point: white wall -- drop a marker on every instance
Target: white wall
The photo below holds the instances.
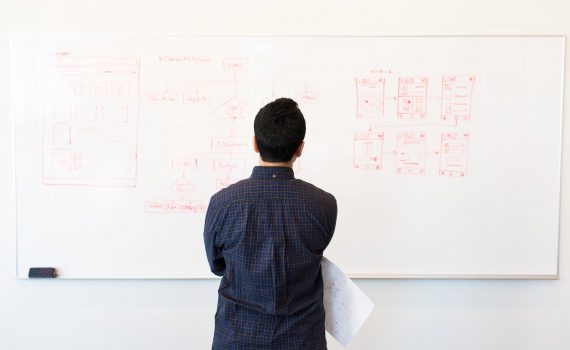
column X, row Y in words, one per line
column 410, row 314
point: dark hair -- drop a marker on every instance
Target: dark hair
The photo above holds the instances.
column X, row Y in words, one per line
column 279, row 130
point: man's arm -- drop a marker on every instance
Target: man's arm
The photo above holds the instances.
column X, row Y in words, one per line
column 331, row 222
column 215, row 255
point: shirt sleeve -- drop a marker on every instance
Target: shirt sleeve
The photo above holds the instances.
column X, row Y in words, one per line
column 331, row 220
column 214, row 254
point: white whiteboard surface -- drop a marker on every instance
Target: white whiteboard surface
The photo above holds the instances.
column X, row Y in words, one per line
column 443, row 152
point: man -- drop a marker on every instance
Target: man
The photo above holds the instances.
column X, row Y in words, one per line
column 266, row 235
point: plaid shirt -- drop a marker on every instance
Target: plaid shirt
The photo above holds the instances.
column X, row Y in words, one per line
column 266, row 235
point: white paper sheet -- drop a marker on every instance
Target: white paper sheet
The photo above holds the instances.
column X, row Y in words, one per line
column 346, row 305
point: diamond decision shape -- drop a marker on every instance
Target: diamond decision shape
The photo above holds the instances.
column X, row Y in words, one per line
column 233, row 111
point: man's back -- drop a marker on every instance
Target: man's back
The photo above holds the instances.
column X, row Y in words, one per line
column 266, row 235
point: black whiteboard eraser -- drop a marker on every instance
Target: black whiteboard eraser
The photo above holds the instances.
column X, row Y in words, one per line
column 42, row 272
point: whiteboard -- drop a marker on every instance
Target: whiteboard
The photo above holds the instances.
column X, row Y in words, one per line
column 443, row 152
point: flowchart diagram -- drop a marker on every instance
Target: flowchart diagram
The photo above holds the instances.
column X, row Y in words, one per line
column 226, row 158
column 92, row 117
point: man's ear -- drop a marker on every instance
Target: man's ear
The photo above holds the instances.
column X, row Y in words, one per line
column 254, row 142
column 299, row 150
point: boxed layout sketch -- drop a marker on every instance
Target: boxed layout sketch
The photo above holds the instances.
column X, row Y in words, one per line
column 91, row 108
column 408, row 137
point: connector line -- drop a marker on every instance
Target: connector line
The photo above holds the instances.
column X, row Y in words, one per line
column 375, row 127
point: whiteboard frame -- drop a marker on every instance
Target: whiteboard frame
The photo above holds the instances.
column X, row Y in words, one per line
column 556, row 276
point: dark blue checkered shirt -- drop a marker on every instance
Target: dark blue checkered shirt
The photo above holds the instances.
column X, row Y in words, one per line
column 266, row 235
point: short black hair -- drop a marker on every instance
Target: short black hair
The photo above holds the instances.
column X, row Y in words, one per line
column 279, row 129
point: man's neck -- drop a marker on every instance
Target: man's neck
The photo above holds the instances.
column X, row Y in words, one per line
column 288, row 164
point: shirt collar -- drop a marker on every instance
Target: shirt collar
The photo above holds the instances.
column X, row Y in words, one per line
column 272, row 172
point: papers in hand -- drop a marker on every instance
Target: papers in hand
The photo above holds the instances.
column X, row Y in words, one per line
column 346, row 306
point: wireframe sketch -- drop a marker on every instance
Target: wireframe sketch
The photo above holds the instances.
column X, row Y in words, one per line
column 412, row 97
column 453, row 157
column 456, row 97
column 411, row 152
column 370, row 97
column 368, row 150
column 91, row 109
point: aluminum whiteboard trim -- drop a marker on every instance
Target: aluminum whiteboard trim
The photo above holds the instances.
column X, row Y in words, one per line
column 13, row 36
column 14, row 171
column 352, row 276
column 561, row 168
